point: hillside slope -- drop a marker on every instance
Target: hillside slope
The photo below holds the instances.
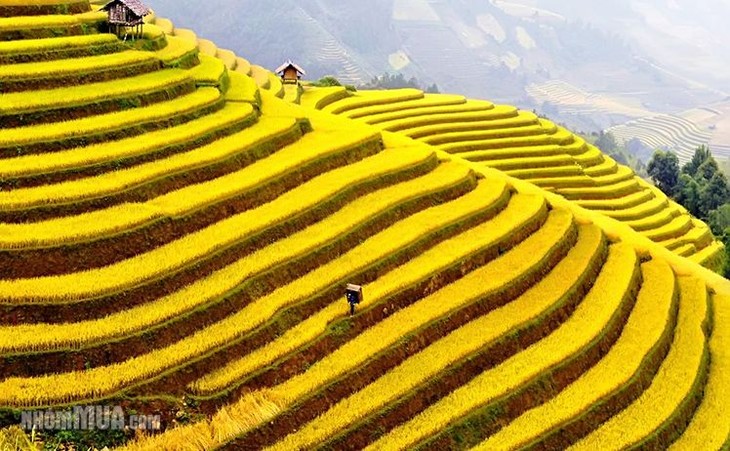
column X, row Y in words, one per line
column 176, row 239
column 532, row 149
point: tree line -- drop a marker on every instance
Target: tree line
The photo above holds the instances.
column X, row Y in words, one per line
column 385, row 81
column 699, row 186
column 397, row 81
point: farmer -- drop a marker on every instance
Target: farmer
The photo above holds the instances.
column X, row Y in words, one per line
column 353, row 294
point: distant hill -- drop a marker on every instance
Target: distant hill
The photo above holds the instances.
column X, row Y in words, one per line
column 485, row 49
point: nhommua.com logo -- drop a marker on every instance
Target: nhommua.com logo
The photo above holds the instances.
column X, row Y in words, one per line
column 87, row 418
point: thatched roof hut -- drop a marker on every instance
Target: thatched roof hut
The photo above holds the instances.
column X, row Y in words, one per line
column 126, row 12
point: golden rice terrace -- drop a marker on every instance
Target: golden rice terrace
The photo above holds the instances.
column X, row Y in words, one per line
column 177, row 228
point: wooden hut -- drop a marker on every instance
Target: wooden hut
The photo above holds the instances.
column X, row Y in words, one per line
column 126, row 14
column 290, row 72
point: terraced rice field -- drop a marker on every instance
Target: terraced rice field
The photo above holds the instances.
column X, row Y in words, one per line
column 573, row 100
column 525, row 147
column 665, row 132
column 176, row 239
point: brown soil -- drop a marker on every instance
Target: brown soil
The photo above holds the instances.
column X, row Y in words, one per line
column 112, row 134
column 319, row 402
column 42, row 33
column 99, row 307
column 474, row 428
column 164, row 151
column 673, row 428
column 62, row 53
column 290, row 317
column 111, row 73
column 101, row 107
column 183, row 326
column 373, row 427
column 116, row 247
column 570, row 433
column 70, row 7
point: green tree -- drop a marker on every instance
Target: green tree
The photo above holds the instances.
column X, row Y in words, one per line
column 706, row 171
column 726, row 264
column 327, row 81
column 701, row 155
column 397, row 81
column 392, row 81
column 664, row 171
column 714, row 194
column 719, row 221
column 687, row 193
column 433, row 89
column 702, row 188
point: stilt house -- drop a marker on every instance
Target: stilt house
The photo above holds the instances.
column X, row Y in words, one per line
column 126, row 14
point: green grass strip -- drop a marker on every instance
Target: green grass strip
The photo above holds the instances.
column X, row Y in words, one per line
column 427, row 101
column 649, row 324
column 426, row 364
column 98, row 154
column 39, row 100
column 121, row 120
column 72, row 66
column 673, row 384
column 362, row 99
column 51, row 44
column 472, row 110
column 39, row 337
column 185, row 251
column 566, row 343
column 102, row 381
column 709, row 428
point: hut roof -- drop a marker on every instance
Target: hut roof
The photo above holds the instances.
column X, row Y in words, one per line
column 289, row 64
column 136, row 6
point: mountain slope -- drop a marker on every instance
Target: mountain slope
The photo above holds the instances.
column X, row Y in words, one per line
column 532, row 149
column 186, row 254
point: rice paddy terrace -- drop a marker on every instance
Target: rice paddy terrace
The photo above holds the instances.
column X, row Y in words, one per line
column 666, row 131
column 532, row 149
column 175, row 237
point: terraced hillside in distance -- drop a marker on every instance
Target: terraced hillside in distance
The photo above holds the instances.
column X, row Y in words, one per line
column 175, row 238
column 665, row 131
column 572, row 100
column 532, row 149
